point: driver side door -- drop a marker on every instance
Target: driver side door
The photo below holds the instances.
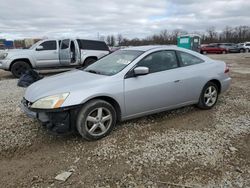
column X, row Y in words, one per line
column 46, row 54
column 156, row 90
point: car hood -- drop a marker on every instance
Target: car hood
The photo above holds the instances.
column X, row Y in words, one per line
column 66, row 82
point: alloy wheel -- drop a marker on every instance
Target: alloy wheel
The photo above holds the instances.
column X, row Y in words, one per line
column 210, row 96
column 98, row 121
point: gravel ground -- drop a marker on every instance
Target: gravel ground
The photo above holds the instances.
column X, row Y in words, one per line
column 186, row 147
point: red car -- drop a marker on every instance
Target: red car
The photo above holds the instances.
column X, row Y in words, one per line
column 213, row 48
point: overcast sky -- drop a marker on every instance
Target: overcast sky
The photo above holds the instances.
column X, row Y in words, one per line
column 131, row 18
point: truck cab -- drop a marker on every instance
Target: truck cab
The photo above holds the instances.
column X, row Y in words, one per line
column 45, row 53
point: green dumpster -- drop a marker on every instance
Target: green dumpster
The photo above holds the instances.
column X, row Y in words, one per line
column 190, row 41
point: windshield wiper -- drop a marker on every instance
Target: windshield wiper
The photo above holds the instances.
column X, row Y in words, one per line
column 93, row 71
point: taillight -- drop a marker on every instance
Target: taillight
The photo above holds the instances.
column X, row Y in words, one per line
column 226, row 69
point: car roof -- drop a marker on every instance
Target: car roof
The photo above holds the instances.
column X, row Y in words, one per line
column 166, row 47
column 151, row 47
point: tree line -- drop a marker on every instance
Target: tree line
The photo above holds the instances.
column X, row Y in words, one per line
column 211, row 35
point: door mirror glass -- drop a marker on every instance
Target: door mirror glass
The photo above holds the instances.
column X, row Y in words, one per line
column 141, row 71
column 39, row 48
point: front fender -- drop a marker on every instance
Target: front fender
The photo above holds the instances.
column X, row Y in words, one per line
column 115, row 91
column 21, row 57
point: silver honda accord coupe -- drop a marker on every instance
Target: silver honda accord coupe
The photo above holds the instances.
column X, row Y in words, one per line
column 126, row 84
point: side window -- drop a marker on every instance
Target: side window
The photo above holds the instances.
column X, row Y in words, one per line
column 92, row 45
column 65, row 44
column 247, row 44
column 159, row 61
column 49, row 45
column 188, row 59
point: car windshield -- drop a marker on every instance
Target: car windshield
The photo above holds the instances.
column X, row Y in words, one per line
column 113, row 63
column 33, row 46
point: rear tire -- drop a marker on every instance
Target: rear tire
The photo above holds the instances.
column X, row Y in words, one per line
column 242, row 50
column 89, row 61
column 19, row 67
column 96, row 119
column 224, row 52
column 209, row 96
column 247, row 50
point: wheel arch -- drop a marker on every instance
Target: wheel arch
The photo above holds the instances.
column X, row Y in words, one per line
column 90, row 57
column 20, row 59
column 110, row 100
column 217, row 83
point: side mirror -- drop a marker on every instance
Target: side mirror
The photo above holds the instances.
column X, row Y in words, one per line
column 39, row 48
column 138, row 71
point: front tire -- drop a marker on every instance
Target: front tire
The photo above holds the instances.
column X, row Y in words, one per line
column 247, row 50
column 96, row 119
column 209, row 96
column 19, row 67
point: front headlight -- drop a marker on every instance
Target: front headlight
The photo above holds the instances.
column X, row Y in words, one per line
column 50, row 102
column 3, row 55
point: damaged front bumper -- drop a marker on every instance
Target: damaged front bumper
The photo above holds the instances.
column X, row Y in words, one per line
column 58, row 121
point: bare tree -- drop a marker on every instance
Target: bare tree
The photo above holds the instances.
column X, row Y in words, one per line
column 212, row 34
column 119, row 39
column 241, row 33
column 112, row 40
column 108, row 40
column 175, row 33
column 229, row 34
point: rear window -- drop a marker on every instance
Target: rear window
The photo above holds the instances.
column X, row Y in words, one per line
column 92, row 45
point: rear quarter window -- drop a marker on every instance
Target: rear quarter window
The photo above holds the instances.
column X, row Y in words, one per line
column 187, row 59
column 92, row 45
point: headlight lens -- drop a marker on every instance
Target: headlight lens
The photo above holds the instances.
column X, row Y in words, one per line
column 50, row 102
column 3, row 55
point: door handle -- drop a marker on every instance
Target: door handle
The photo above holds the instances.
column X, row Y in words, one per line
column 176, row 81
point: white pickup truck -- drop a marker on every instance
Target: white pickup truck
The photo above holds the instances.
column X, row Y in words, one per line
column 47, row 54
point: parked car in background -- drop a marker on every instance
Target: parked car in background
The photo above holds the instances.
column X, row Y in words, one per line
column 231, row 47
column 51, row 53
column 213, row 48
column 241, row 47
column 244, row 46
column 126, row 84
